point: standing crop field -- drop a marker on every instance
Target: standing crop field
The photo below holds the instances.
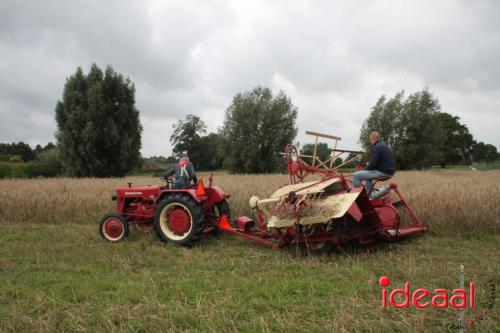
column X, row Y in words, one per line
column 57, row 274
column 451, row 203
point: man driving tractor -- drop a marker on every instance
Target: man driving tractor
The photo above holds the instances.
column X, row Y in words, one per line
column 381, row 164
column 184, row 172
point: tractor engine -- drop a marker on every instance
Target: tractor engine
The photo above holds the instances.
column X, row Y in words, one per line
column 137, row 204
column 140, row 209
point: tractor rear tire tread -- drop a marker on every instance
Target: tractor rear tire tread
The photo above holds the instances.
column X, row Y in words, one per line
column 223, row 208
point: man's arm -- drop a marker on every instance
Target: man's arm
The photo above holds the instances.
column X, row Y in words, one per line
column 169, row 173
column 193, row 174
column 373, row 159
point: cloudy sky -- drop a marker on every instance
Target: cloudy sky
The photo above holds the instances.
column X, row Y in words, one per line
column 333, row 58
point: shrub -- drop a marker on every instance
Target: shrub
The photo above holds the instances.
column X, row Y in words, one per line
column 4, row 170
column 16, row 159
column 19, row 170
column 50, row 164
column 495, row 165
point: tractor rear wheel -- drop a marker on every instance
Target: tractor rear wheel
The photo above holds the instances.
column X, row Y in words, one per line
column 113, row 227
column 179, row 219
column 221, row 208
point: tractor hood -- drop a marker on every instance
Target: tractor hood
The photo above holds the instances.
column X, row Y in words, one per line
column 148, row 192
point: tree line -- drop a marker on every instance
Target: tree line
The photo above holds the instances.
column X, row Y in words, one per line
column 19, row 160
column 99, row 132
column 22, row 152
column 257, row 126
column 421, row 135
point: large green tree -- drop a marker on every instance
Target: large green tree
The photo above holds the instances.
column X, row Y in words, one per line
column 99, row 132
column 322, row 151
column 206, row 152
column 212, row 151
column 186, row 138
column 484, row 152
column 257, row 127
column 456, row 145
column 408, row 126
column 186, row 135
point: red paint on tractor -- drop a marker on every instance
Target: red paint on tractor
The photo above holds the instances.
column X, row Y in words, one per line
column 245, row 223
column 145, row 192
column 113, row 228
column 179, row 220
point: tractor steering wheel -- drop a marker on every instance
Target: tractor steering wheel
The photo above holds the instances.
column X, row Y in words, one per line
column 169, row 181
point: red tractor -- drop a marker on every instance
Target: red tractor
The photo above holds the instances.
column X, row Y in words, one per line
column 179, row 216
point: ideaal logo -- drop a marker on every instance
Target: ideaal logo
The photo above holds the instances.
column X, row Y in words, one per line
column 423, row 298
column 440, row 299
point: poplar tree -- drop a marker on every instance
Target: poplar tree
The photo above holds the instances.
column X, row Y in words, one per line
column 99, row 131
column 257, row 127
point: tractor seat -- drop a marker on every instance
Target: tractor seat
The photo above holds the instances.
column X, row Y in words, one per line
column 382, row 179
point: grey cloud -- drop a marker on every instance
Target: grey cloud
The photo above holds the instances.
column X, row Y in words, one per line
column 333, row 58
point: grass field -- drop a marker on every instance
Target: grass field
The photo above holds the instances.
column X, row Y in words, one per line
column 57, row 274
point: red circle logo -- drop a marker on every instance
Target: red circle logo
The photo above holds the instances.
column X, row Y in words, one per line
column 384, row 281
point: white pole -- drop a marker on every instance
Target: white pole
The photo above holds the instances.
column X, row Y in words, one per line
column 462, row 312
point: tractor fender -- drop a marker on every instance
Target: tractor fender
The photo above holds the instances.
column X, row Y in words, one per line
column 190, row 192
column 216, row 194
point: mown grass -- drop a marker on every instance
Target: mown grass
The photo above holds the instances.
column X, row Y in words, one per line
column 57, row 274
column 65, row 278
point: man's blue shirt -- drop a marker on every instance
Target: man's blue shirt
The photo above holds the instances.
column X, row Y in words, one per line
column 382, row 159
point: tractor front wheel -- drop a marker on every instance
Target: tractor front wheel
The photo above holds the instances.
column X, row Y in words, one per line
column 113, row 227
column 179, row 219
